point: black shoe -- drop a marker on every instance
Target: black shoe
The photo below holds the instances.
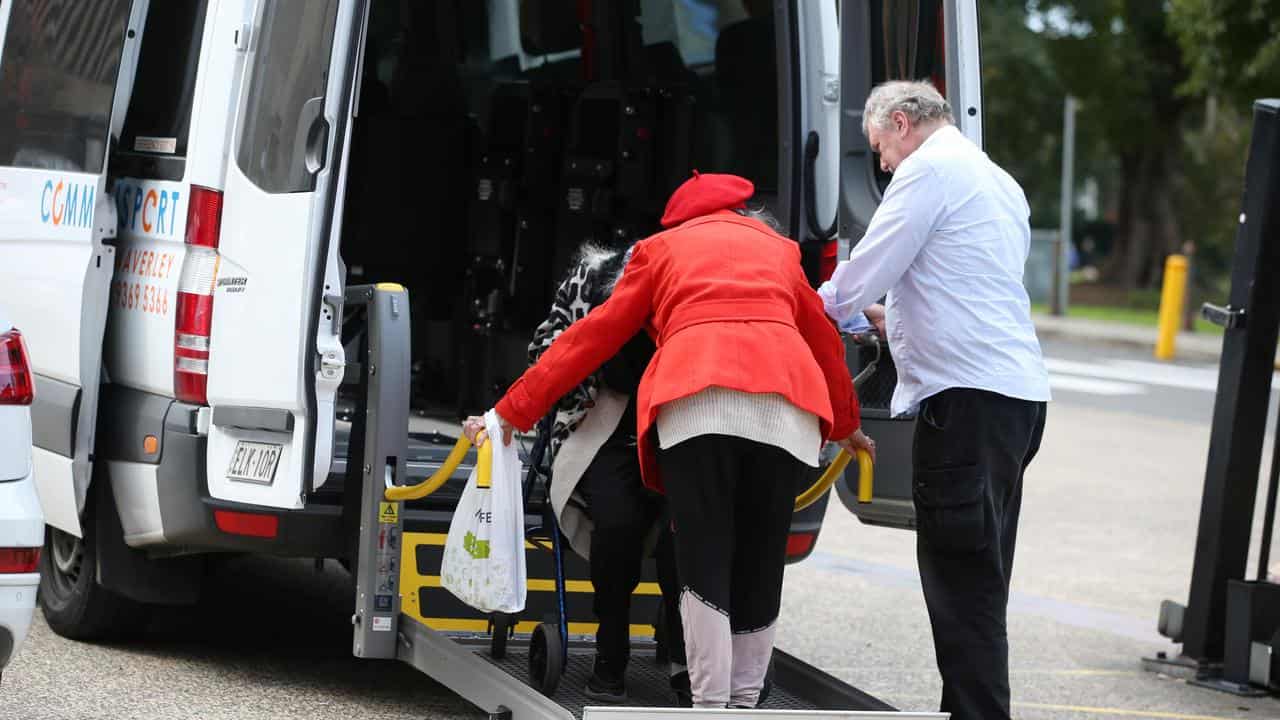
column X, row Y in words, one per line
column 680, row 686
column 606, row 683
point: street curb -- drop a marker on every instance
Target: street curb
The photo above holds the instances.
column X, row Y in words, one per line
column 1197, row 348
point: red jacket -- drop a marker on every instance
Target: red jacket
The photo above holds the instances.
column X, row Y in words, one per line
column 726, row 301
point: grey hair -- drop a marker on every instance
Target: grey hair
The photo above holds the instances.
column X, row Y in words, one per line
column 917, row 99
column 762, row 215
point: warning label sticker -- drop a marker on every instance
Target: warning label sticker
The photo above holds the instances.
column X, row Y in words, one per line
column 388, row 512
column 381, row 623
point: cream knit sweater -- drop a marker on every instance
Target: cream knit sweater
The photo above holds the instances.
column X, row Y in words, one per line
column 767, row 418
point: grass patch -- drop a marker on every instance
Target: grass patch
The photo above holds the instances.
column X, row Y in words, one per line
column 1125, row 315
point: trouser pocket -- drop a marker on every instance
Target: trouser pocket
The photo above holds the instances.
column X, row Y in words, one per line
column 951, row 508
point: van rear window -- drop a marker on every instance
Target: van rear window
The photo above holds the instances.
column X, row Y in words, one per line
column 286, row 93
column 57, row 82
column 156, row 125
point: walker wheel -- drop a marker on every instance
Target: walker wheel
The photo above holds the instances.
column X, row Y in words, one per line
column 546, row 658
column 501, row 625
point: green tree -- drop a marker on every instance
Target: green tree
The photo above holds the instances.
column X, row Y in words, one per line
column 1022, row 105
column 1121, row 59
column 1232, row 47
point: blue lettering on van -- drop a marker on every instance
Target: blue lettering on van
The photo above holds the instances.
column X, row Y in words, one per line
column 150, row 210
column 67, row 203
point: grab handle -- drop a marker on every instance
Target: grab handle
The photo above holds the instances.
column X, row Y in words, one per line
column 866, row 479
column 437, row 479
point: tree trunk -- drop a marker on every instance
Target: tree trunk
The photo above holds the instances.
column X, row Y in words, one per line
column 1147, row 227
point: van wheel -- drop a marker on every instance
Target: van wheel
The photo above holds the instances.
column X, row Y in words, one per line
column 74, row 604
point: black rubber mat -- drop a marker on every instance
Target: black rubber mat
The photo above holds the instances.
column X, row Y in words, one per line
column 647, row 684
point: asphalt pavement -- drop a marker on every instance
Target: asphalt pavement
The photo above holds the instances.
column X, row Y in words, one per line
column 1107, row 532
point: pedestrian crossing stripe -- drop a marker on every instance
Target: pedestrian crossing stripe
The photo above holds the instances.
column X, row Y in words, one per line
column 389, row 512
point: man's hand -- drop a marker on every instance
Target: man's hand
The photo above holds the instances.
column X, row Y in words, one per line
column 473, row 426
column 859, row 441
column 875, row 315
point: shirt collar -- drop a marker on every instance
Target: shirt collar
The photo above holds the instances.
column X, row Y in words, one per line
column 950, row 130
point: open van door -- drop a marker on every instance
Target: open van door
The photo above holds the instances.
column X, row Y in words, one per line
column 274, row 354
column 881, row 40
column 65, row 72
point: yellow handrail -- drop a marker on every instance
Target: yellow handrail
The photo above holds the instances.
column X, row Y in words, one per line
column 866, row 479
column 441, row 476
column 484, row 469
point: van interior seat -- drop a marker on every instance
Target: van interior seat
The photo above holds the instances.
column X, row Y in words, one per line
column 747, row 81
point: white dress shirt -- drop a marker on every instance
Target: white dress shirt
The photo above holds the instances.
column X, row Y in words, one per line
column 948, row 244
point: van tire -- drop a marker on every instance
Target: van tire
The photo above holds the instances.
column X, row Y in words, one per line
column 74, row 604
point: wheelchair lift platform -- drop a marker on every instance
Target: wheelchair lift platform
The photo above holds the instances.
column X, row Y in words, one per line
column 458, row 651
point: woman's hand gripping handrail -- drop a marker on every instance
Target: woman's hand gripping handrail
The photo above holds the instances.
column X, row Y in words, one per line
column 866, row 468
column 484, row 466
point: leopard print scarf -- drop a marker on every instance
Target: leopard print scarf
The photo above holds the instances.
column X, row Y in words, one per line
column 590, row 282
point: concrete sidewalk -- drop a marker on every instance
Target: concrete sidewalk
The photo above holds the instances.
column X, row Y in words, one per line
column 1198, row 347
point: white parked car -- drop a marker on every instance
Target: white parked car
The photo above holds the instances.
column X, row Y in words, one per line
column 21, row 522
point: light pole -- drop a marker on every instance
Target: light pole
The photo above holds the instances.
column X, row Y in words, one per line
column 1062, row 259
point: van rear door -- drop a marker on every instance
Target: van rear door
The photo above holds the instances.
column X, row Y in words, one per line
column 60, row 102
column 274, row 356
column 881, row 40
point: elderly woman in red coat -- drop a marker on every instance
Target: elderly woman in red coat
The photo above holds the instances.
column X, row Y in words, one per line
column 748, row 380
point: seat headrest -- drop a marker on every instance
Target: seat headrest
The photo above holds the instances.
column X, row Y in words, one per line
column 549, row 26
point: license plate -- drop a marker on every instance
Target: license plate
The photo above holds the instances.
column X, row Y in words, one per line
column 254, row 462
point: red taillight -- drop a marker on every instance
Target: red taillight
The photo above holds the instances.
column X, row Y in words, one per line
column 830, row 258
column 799, row 544
column 251, row 524
column 19, row 560
column 204, row 217
column 195, row 297
column 16, row 386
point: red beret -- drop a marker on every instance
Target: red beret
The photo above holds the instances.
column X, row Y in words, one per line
column 705, row 193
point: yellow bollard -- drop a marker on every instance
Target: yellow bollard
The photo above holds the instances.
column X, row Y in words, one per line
column 1171, row 297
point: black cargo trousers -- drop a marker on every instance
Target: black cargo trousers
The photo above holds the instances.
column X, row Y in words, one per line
column 970, row 451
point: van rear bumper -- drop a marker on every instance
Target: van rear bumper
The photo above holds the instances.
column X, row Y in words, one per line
column 188, row 512
column 187, row 520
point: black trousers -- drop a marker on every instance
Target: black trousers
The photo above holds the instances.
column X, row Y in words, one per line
column 970, row 451
column 731, row 500
column 623, row 513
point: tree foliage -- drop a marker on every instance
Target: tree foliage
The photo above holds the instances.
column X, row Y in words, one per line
column 1120, row 58
column 1022, row 103
column 1232, row 47
column 1165, row 89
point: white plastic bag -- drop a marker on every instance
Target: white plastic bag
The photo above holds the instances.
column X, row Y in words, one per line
column 484, row 554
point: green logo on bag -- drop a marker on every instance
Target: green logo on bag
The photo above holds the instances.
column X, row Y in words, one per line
column 478, row 549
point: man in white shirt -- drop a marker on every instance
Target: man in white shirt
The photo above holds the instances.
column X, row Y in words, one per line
column 948, row 244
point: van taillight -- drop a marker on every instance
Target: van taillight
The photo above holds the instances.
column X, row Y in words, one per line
column 204, row 217
column 195, row 297
column 799, row 545
column 828, row 261
column 19, row 560
column 16, row 386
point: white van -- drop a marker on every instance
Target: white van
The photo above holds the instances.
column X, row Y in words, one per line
column 187, row 187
